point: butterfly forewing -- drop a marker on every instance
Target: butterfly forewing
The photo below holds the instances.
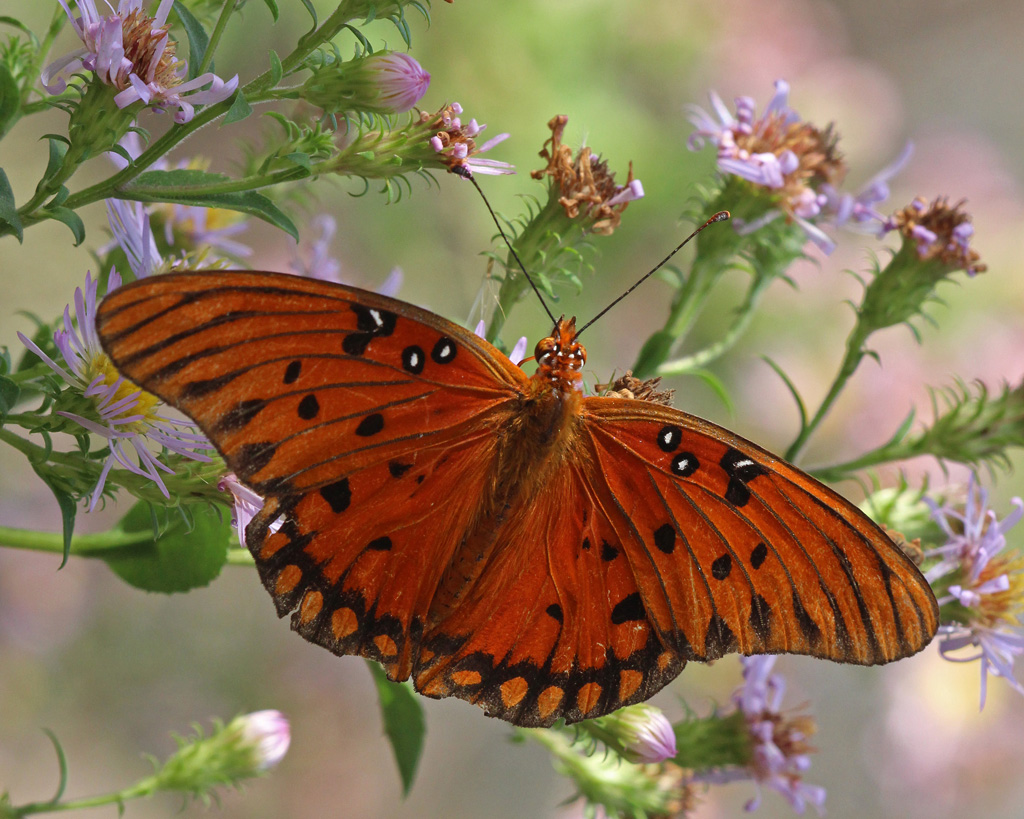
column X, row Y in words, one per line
column 298, row 382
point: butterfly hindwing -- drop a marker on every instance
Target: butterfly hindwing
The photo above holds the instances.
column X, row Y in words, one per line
column 555, row 627
column 358, row 562
column 752, row 554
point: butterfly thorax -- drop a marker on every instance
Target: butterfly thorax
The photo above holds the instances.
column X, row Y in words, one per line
column 560, row 357
column 539, row 437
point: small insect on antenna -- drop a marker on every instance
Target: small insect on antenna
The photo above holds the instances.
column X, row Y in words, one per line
column 467, row 174
column 721, row 216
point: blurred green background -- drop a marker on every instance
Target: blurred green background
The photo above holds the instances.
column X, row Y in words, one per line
column 112, row 670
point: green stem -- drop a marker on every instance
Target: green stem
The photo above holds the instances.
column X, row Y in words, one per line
column 218, row 30
column 686, row 306
column 851, row 360
column 145, row 787
column 539, row 246
column 81, row 545
column 736, row 330
column 248, row 183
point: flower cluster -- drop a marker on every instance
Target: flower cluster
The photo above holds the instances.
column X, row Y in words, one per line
column 980, row 586
column 583, row 185
column 133, row 53
column 455, row 142
column 795, row 165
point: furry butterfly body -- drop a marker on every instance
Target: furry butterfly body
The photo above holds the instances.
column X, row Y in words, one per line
column 494, row 536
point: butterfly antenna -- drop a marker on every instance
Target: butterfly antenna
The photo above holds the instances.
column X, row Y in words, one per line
column 721, row 216
column 466, row 174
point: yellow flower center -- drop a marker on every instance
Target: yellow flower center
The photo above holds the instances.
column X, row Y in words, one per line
column 1003, row 607
column 145, row 403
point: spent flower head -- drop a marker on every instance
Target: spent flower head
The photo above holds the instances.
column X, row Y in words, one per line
column 940, row 232
column 980, row 586
column 133, row 53
column 583, row 185
column 777, row 741
column 129, row 419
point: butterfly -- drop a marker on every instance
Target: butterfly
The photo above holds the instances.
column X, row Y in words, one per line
column 494, row 536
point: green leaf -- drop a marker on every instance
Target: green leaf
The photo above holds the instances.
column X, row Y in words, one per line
column 717, row 387
column 800, row 406
column 183, row 555
column 301, row 159
column 58, row 148
column 9, row 392
column 10, row 99
column 403, row 723
column 312, row 13
column 272, row 5
column 8, row 208
column 239, row 110
column 71, row 219
column 185, row 187
column 67, row 510
column 198, row 39
column 276, row 69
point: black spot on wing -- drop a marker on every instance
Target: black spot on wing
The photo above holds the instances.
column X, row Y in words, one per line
column 338, row 495
column 628, row 609
column 309, row 408
column 741, row 470
column 665, row 538
column 721, row 567
column 555, row 611
column 292, row 371
column 758, row 556
column 239, row 415
column 370, row 425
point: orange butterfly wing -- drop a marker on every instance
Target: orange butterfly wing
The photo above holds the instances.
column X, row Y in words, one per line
column 665, row 539
column 366, row 422
column 417, row 514
column 752, row 554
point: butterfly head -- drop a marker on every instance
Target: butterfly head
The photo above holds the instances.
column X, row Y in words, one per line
column 560, row 357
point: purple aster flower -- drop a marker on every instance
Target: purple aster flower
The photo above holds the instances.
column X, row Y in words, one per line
column 129, row 223
column 124, row 415
column 797, row 165
column 457, row 145
column 939, row 231
column 983, row 603
column 779, row 748
column 518, row 353
column 389, row 82
column 133, row 53
column 246, row 504
column 313, row 259
column 399, row 80
column 851, row 210
column 268, row 735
